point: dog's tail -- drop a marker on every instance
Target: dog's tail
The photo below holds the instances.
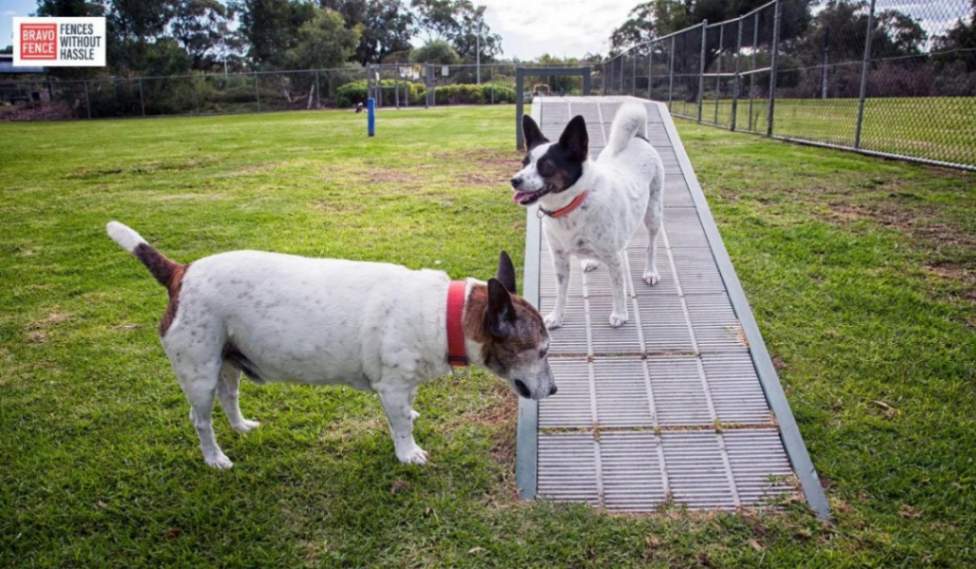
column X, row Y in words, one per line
column 631, row 121
column 167, row 272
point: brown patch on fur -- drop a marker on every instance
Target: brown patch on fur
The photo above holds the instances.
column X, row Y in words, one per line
column 499, row 355
column 169, row 274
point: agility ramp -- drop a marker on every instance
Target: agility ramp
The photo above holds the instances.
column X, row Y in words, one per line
column 680, row 405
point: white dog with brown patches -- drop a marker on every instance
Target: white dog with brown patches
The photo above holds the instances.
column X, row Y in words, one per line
column 372, row 326
column 591, row 209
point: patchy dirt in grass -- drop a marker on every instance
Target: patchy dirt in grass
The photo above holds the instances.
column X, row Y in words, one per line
column 38, row 331
column 483, row 167
column 141, row 168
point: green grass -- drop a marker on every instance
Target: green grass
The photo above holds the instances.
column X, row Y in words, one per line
column 860, row 272
column 936, row 128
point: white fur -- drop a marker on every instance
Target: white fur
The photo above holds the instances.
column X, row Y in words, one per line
column 125, row 236
column 372, row 326
column 625, row 185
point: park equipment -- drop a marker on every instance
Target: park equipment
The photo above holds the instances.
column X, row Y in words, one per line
column 681, row 405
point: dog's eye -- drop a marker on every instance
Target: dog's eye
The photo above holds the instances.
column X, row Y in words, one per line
column 545, row 168
column 525, row 161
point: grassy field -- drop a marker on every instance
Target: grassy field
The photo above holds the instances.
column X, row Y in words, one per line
column 937, row 128
column 861, row 273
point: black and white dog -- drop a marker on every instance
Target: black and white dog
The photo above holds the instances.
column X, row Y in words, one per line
column 592, row 208
column 373, row 326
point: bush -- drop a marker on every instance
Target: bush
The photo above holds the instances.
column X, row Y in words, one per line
column 468, row 94
column 354, row 92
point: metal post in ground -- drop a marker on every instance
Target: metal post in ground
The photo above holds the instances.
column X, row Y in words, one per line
column 671, row 74
column 519, row 109
column 718, row 70
column 737, row 87
column 752, row 76
column 633, row 82
column 701, row 69
column 142, row 98
column 603, row 78
column 87, row 100
column 773, row 49
column 318, row 91
column 650, row 63
column 865, row 67
column 257, row 91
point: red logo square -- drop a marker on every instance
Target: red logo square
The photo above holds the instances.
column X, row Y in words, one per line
column 39, row 41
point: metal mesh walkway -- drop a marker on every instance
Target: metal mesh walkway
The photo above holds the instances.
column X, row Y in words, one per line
column 682, row 403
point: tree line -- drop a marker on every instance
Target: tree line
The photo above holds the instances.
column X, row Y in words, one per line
column 172, row 37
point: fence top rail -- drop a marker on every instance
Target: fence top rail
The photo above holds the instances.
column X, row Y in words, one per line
column 219, row 74
column 655, row 40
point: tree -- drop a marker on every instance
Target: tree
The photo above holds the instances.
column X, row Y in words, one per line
column 323, row 41
column 270, row 28
column 387, row 26
column 202, row 27
column 460, row 23
column 958, row 44
column 638, row 28
column 435, row 51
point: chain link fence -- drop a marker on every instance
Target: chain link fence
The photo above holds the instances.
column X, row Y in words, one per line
column 895, row 78
column 392, row 85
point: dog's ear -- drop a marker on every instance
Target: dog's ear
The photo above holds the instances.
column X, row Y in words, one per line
column 533, row 135
column 500, row 313
column 506, row 272
column 575, row 139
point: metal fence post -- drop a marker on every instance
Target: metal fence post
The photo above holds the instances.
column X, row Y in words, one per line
column 519, row 108
column 718, row 69
column 736, row 87
column 671, row 74
column 701, row 70
column 774, row 48
column 257, row 91
column 142, row 98
column 633, row 80
column 87, row 100
column 752, row 76
column 318, row 91
column 865, row 67
column 650, row 64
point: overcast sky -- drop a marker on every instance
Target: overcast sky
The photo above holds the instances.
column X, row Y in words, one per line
column 528, row 28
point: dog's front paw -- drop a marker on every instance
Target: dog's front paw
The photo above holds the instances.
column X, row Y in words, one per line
column 618, row 319
column 589, row 265
column 246, row 426
column 553, row 321
column 218, row 461
column 415, row 455
column 651, row 277
column 414, row 415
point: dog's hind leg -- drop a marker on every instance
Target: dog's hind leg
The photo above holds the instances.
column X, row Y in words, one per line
column 199, row 383
column 197, row 361
column 615, row 267
column 653, row 220
column 228, row 392
column 396, row 398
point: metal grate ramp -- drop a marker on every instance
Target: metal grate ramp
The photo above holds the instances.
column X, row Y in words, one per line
column 681, row 404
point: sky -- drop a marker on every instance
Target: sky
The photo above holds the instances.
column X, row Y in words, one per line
column 528, row 28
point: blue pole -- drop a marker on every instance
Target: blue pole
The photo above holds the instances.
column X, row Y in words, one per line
column 371, row 116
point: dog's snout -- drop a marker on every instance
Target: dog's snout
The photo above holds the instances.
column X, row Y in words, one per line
column 553, row 390
column 522, row 389
column 516, row 181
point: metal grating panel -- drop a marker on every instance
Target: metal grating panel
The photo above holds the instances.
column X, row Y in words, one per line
column 669, row 406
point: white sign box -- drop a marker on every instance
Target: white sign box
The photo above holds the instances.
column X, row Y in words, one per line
column 59, row 42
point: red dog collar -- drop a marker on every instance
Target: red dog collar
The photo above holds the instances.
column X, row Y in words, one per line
column 568, row 208
column 457, row 354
